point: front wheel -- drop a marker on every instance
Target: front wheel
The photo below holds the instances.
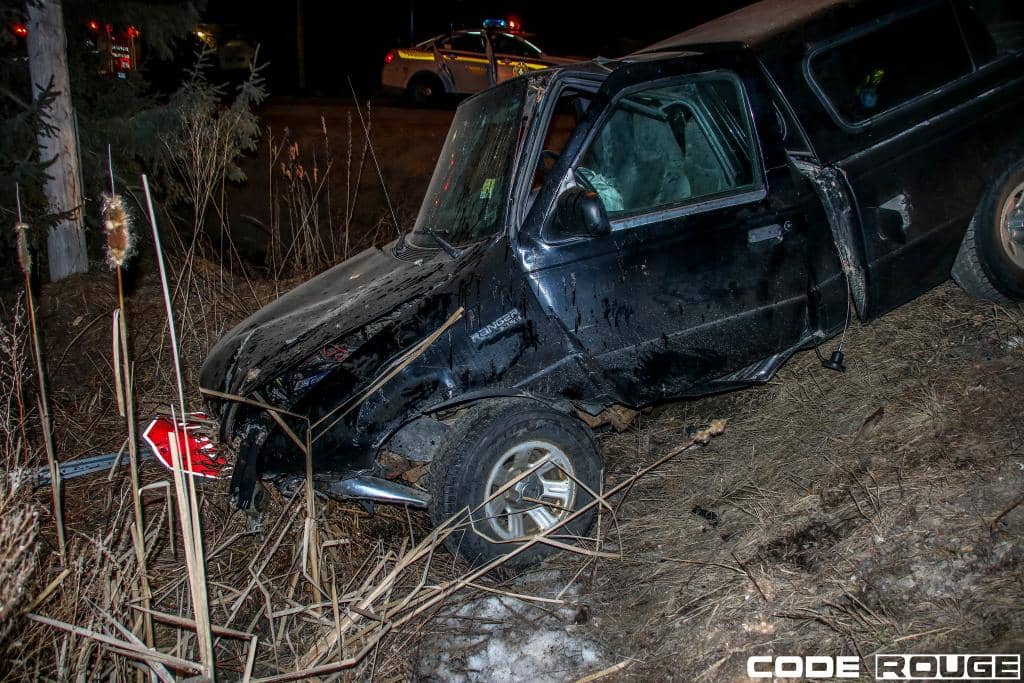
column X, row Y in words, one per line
column 517, row 466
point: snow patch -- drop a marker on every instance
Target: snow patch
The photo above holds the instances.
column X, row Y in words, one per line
column 498, row 638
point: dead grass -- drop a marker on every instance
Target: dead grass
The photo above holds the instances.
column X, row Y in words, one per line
column 852, row 513
column 271, row 612
column 853, row 510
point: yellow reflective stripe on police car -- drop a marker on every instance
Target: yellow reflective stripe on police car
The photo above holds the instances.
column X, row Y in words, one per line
column 416, row 55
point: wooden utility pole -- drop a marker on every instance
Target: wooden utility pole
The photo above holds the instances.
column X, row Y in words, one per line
column 48, row 66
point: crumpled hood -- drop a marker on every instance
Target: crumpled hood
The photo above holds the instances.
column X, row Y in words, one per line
column 335, row 303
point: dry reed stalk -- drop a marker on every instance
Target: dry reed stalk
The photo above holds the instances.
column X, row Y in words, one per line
column 25, row 261
column 17, row 383
column 194, row 561
column 48, row 591
column 330, row 206
column 252, row 568
column 603, row 673
column 250, row 659
column 311, row 553
column 307, row 249
column 183, row 622
column 348, row 183
column 373, row 156
column 311, row 535
column 415, row 604
column 187, row 503
column 333, row 667
column 120, row 246
column 122, row 647
column 19, row 516
column 396, row 367
column 170, row 511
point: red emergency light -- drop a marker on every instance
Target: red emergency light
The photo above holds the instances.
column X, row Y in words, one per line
column 133, row 32
column 93, row 25
column 389, row 57
column 20, row 30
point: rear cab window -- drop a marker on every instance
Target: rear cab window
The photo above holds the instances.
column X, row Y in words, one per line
column 877, row 68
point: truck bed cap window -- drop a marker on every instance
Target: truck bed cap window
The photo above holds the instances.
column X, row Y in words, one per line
column 993, row 28
column 881, row 66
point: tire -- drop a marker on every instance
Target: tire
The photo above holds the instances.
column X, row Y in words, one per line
column 513, row 433
column 990, row 265
column 425, row 90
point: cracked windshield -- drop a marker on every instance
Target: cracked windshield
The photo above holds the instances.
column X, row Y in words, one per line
column 468, row 189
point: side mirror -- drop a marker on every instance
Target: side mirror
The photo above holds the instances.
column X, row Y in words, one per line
column 580, row 213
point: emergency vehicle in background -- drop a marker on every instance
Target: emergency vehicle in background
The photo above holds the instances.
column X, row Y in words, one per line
column 464, row 62
column 118, row 49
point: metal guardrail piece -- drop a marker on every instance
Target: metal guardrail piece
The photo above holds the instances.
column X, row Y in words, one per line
column 40, row 477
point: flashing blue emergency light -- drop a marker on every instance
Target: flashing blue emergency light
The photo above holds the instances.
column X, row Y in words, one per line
column 495, row 23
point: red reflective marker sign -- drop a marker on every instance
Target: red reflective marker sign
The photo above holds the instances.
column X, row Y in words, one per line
column 206, row 462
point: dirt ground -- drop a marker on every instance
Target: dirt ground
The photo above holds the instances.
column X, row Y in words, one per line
column 840, row 514
column 870, row 511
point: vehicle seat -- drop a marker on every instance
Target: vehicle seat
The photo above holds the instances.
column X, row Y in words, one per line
column 636, row 164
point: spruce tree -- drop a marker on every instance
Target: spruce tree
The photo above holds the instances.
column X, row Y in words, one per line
column 128, row 113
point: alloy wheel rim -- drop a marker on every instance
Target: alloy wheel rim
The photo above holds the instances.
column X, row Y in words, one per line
column 1011, row 226
column 536, row 502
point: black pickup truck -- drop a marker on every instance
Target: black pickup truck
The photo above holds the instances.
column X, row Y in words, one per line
column 603, row 236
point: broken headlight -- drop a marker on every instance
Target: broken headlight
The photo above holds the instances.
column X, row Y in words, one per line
column 292, row 385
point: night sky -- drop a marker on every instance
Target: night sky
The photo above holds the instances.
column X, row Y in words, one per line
column 342, row 41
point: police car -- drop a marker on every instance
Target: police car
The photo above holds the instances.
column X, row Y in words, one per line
column 463, row 62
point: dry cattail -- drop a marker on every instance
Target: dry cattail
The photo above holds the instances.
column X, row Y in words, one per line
column 117, row 226
column 24, row 258
column 19, row 526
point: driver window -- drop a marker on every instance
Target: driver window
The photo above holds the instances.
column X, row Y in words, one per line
column 569, row 110
column 671, row 145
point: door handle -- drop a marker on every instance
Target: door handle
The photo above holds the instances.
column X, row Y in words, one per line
column 765, row 233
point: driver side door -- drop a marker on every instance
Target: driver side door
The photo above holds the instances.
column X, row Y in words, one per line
column 704, row 272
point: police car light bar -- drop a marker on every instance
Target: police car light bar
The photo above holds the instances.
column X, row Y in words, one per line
column 510, row 24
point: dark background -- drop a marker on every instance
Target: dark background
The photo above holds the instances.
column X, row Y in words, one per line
column 344, row 40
